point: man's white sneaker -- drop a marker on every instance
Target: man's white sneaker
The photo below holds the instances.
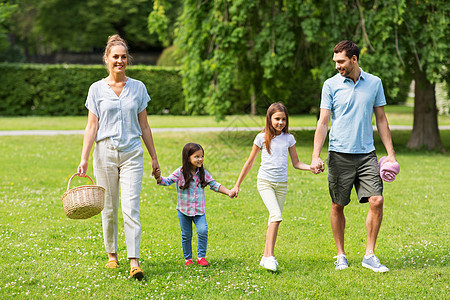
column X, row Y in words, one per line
column 341, row 262
column 373, row 263
column 269, row 263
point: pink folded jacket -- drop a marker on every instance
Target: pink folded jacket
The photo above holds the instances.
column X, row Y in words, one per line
column 388, row 170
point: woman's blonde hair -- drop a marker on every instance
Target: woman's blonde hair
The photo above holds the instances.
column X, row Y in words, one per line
column 115, row 40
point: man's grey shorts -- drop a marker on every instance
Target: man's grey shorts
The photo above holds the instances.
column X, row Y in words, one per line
column 360, row 170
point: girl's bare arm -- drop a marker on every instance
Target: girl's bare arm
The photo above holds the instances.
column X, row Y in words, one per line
column 246, row 168
column 295, row 161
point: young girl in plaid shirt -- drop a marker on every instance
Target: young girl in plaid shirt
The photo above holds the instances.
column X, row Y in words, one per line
column 191, row 179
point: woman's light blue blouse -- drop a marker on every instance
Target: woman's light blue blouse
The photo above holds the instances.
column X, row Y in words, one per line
column 118, row 115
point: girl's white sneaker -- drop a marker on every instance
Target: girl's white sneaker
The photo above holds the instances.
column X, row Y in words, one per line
column 269, row 263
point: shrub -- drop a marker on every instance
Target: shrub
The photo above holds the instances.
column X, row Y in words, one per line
column 58, row 90
column 170, row 57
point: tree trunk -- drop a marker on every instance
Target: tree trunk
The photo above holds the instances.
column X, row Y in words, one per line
column 252, row 101
column 425, row 133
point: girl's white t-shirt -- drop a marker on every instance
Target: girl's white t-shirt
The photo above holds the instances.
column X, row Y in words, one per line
column 274, row 166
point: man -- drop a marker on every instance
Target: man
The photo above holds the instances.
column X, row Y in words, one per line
column 350, row 98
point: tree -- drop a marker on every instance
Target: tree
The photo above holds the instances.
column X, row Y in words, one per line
column 162, row 21
column 256, row 49
column 49, row 26
column 280, row 49
column 425, row 40
column 399, row 39
column 82, row 24
column 6, row 49
column 6, row 10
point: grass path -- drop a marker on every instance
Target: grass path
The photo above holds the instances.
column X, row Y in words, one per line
column 397, row 115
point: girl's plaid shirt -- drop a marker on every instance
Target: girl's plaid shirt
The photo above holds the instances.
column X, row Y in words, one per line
column 191, row 201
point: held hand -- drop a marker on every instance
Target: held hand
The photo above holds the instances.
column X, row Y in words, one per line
column 232, row 194
column 82, row 168
column 322, row 165
column 317, row 166
column 155, row 167
column 235, row 191
column 158, row 175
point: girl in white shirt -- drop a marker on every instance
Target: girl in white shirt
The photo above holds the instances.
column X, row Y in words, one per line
column 276, row 144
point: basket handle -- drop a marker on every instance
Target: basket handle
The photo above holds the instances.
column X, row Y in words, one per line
column 77, row 174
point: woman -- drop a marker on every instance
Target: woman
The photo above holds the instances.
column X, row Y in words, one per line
column 117, row 119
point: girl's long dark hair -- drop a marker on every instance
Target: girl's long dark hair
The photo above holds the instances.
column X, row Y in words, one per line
column 268, row 129
column 188, row 150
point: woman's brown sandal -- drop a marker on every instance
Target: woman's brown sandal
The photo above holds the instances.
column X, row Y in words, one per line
column 112, row 264
column 137, row 273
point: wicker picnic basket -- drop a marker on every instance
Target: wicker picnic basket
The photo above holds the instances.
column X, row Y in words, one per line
column 84, row 201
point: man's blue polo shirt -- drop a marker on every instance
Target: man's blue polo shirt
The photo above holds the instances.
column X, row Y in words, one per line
column 351, row 105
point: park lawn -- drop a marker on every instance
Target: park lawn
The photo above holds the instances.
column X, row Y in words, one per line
column 45, row 254
column 397, row 115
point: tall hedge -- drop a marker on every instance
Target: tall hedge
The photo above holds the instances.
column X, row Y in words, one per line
column 58, row 90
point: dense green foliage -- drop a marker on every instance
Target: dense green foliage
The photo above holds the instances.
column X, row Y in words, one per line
column 238, row 56
column 265, row 51
column 49, row 27
column 249, row 50
column 162, row 20
column 6, row 10
column 170, row 57
column 62, row 89
column 46, row 27
column 399, row 40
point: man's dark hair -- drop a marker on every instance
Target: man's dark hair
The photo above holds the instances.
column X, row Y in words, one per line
column 349, row 47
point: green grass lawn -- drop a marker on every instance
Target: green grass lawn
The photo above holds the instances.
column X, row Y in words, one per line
column 397, row 115
column 44, row 254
